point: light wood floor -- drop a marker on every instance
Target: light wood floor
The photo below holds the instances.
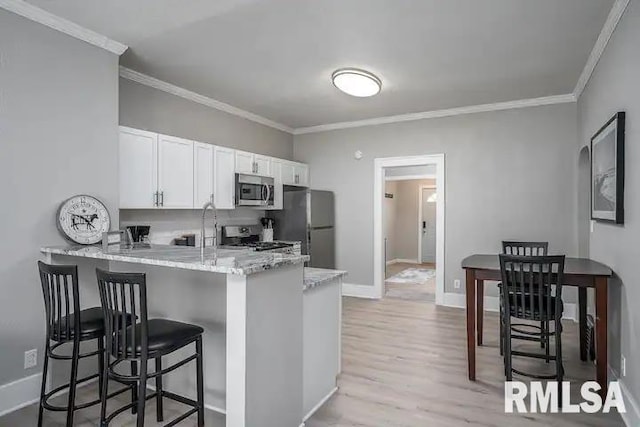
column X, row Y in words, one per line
column 404, row 365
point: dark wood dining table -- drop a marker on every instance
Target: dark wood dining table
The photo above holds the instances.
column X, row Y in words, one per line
column 582, row 273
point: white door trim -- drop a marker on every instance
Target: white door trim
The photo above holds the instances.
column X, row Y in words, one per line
column 378, row 235
column 420, row 200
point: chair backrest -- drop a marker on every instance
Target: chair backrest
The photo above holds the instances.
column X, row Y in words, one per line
column 528, row 283
column 525, row 248
column 61, row 299
column 124, row 300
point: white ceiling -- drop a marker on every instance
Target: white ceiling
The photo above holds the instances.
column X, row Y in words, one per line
column 274, row 58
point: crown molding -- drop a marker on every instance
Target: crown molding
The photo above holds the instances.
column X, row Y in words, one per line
column 617, row 10
column 483, row 108
column 146, row 80
column 41, row 16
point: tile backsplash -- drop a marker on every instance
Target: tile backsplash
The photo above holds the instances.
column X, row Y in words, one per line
column 167, row 224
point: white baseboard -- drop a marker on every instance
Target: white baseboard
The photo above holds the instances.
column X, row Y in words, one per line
column 632, row 417
column 359, row 291
column 319, row 405
column 455, row 300
column 18, row 394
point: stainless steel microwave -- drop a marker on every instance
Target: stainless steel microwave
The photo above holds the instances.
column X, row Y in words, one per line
column 252, row 190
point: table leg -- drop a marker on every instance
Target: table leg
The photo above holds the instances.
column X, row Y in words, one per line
column 601, row 333
column 582, row 308
column 480, row 310
column 471, row 323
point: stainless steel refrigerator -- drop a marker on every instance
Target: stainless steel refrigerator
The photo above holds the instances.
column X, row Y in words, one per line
column 308, row 216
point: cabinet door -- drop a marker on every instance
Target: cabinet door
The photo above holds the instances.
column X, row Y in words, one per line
column 287, row 173
column 202, row 174
column 138, row 168
column 301, row 175
column 224, row 178
column 262, row 165
column 244, row 163
column 276, row 169
column 175, row 172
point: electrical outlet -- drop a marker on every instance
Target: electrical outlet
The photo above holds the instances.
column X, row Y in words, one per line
column 623, row 366
column 456, row 284
column 30, row 358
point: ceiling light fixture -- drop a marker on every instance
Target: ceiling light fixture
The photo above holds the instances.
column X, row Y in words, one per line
column 355, row 82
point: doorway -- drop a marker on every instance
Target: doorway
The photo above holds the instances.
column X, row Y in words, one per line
column 410, row 265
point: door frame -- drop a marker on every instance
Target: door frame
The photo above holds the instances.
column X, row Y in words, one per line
column 420, row 200
column 380, row 164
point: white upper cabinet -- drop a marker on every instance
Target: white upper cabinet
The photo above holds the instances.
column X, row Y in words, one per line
column 252, row 164
column 224, row 182
column 244, row 162
column 263, row 165
column 301, row 174
column 202, row 173
column 138, row 168
column 288, row 172
column 295, row 174
column 175, row 172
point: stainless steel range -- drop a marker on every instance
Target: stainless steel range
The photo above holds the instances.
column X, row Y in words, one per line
column 248, row 236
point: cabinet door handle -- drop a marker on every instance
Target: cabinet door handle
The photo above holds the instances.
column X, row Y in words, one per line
column 155, row 199
column 211, row 198
column 162, row 198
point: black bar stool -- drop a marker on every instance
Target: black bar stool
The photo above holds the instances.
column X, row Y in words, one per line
column 126, row 293
column 66, row 323
column 528, row 284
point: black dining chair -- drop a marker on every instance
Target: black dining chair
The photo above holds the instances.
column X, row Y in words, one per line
column 510, row 247
column 532, row 290
column 148, row 339
column 66, row 323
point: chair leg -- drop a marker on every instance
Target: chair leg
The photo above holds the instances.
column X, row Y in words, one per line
column 134, row 386
column 547, row 341
column 100, row 365
column 43, row 388
column 159, row 410
column 72, row 383
column 507, row 349
column 200, row 381
column 542, row 339
column 501, row 332
column 104, row 390
column 559, row 367
column 142, row 393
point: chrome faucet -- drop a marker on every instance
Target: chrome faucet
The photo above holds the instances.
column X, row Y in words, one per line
column 208, row 205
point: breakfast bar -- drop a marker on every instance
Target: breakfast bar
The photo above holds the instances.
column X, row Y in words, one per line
column 250, row 305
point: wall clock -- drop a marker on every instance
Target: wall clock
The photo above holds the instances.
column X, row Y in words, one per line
column 82, row 219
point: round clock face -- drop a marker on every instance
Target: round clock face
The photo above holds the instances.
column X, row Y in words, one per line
column 83, row 219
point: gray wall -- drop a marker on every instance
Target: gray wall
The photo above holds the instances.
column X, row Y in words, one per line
column 143, row 107
column 614, row 87
column 59, row 133
column 509, row 174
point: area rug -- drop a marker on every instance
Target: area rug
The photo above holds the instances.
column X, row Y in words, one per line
column 411, row 284
column 413, row 275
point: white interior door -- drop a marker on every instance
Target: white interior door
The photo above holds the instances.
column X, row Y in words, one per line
column 428, row 225
column 175, row 172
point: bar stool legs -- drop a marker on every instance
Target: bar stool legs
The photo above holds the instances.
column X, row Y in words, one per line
column 159, row 409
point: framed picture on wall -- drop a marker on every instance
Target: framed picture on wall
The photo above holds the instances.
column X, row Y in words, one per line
column 607, row 171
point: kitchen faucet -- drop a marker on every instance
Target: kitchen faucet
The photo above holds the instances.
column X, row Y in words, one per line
column 207, row 205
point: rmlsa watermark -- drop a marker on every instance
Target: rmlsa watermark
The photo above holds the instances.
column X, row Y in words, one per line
column 545, row 398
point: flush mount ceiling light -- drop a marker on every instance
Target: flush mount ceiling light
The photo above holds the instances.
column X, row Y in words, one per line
column 355, row 82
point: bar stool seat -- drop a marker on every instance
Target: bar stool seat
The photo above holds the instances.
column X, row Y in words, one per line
column 91, row 325
column 164, row 336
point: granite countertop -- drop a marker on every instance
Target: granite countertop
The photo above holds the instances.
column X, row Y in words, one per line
column 314, row 277
column 227, row 261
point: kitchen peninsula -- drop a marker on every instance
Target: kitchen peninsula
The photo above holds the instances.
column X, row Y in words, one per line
column 250, row 305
